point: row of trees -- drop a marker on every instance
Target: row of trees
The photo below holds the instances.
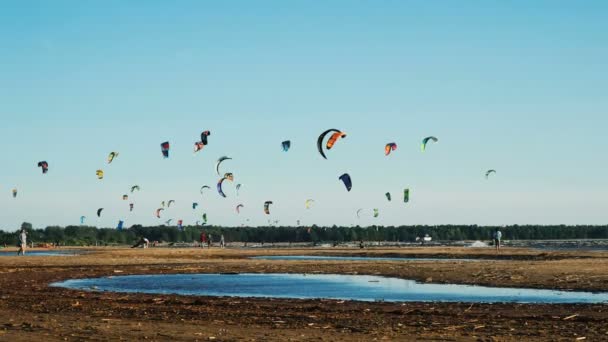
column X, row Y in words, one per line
column 86, row 235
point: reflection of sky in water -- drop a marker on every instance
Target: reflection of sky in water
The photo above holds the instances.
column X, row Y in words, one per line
column 355, row 287
column 351, row 258
column 39, row 253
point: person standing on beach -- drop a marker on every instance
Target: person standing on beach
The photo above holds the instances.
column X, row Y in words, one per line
column 22, row 242
column 203, row 239
column 210, row 240
column 497, row 237
column 222, row 243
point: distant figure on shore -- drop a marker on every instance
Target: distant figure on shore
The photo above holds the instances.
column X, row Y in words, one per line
column 210, row 240
column 143, row 242
column 497, row 237
column 22, row 242
column 361, row 244
column 203, row 239
column 222, row 242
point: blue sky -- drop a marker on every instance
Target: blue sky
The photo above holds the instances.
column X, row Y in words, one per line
column 515, row 86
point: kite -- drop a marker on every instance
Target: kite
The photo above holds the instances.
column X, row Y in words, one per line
column 489, row 172
column 99, row 212
column 112, row 156
column 219, row 187
column 130, row 206
column 229, row 176
column 198, row 146
column 286, row 145
column 204, row 187
column 330, row 143
column 125, row 197
column 406, row 195
column 99, row 174
column 238, row 187
column 169, row 203
column 204, row 136
column 44, row 165
column 194, row 205
column 238, row 208
column 267, row 207
column 219, row 161
column 120, row 223
column 82, row 218
column 14, row 193
column 376, row 213
column 308, row 203
column 204, row 218
column 164, row 148
column 426, row 140
column 345, row 178
column 359, row 213
column 180, row 224
column 388, row 196
column 389, row 148
column 168, row 222
column 134, row 187
column 162, row 204
column 157, row 214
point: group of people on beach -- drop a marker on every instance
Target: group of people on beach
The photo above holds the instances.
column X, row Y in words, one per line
column 207, row 240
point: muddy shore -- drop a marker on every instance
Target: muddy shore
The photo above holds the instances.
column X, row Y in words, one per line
column 30, row 309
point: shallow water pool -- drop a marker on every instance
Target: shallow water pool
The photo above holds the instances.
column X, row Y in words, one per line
column 330, row 286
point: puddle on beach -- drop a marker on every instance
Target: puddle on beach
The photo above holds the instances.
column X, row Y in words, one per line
column 330, row 286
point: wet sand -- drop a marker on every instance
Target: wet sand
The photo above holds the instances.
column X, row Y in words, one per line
column 30, row 309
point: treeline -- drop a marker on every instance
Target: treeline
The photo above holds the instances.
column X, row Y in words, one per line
column 85, row 235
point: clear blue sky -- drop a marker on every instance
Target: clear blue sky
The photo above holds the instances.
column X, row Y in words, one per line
column 515, row 86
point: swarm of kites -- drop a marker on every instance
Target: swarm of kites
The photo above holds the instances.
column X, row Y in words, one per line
column 325, row 142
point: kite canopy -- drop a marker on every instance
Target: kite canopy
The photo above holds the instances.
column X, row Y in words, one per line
column 44, row 165
column 204, row 137
column 120, row 224
column 389, row 148
column 330, row 143
column 157, row 213
column 204, row 218
column 345, row 178
column 14, row 193
column 267, row 207
column 219, row 187
column 82, row 218
column 238, row 208
column 194, row 205
column 130, row 206
column 426, row 141
column 308, row 203
column 164, row 148
column 220, row 161
column 169, row 203
column 376, row 212
column 125, row 197
column 359, row 213
column 134, row 187
column 99, row 212
column 99, row 174
column 286, row 145
column 238, row 187
column 111, row 156
column 489, row 172
column 406, row 195
column 229, row 176
column 388, row 196
column 204, row 187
